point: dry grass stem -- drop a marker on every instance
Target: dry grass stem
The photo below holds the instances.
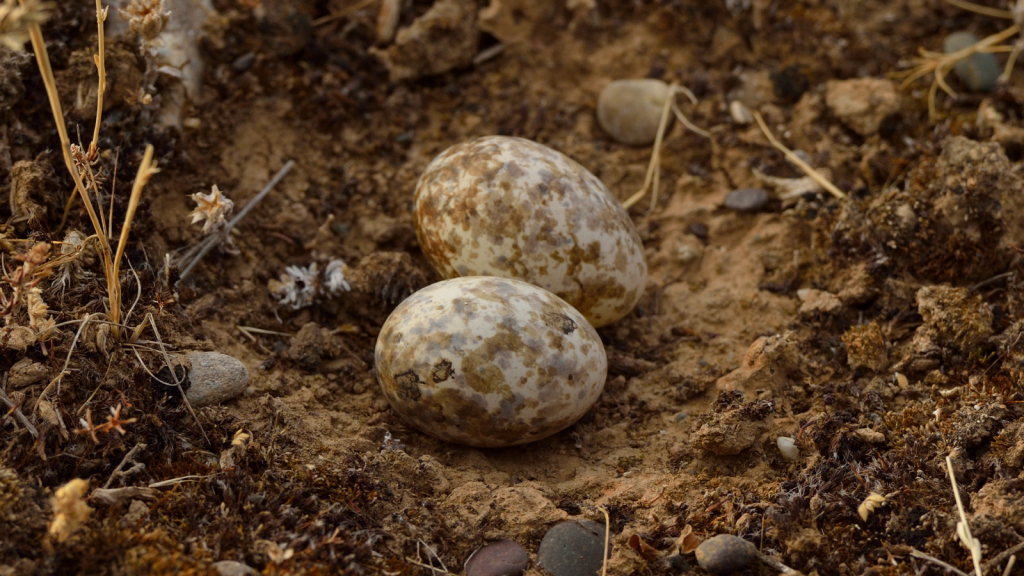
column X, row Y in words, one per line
column 607, row 538
column 67, row 361
column 963, row 529
column 101, row 17
column 43, row 61
column 939, row 64
column 342, row 13
column 654, row 166
column 984, row 10
column 1009, row 565
column 174, row 481
column 792, row 157
column 174, row 375
column 146, row 170
column 918, row 554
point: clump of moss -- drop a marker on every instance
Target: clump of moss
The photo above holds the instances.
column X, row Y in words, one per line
column 960, row 319
column 22, row 518
column 866, row 347
column 948, row 220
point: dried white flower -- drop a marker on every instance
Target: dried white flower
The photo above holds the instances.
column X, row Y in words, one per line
column 212, row 208
column 299, row 287
column 146, row 17
column 334, row 277
column 37, row 310
column 15, row 20
column 72, row 269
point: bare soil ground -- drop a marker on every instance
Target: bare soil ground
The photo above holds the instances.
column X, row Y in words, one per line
column 904, row 351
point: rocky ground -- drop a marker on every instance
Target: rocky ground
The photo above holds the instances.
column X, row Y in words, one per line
column 878, row 332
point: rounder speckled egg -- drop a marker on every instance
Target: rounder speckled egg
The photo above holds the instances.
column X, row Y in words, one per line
column 509, row 207
column 489, row 362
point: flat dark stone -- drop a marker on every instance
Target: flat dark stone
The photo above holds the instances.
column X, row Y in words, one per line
column 725, row 554
column 573, row 548
column 500, row 558
column 699, row 230
column 746, row 199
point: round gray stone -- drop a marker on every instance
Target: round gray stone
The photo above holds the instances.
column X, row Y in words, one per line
column 500, row 558
column 630, row 110
column 573, row 548
column 725, row 554
column 746, row 199
column 980, row 72
column 232, row 568
column 214, row 378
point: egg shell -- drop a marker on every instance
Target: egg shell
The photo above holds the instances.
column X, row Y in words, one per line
column 510, row 207
column 489, row 362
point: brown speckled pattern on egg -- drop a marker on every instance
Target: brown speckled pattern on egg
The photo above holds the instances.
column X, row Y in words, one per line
column 509, row 207
column 489, row 362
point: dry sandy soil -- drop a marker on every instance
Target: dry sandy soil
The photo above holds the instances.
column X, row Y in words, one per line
column 880, row 331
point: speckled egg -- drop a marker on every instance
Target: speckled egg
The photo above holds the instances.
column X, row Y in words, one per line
column 509, row 207
column 489, row 362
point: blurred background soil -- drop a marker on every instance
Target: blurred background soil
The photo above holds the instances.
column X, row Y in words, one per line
column 791, row 321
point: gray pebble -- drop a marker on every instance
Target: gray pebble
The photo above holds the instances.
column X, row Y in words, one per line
column 232, row 568
column 725, row 554
column 699, row 230
column 746, row 199
column 630, row 110
column 980, row 72
column 244, row 62
column 573, row 548
column 501, row 558
column 214, row 378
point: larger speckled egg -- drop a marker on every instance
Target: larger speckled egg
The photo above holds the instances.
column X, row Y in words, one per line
column 489, row 362
column 509, row 207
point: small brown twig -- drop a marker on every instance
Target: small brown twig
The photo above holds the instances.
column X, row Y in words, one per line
column 129, row 457
column 998, row 559
column 204, row 247
column 16, row 409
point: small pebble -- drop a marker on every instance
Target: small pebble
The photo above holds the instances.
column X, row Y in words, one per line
column 680, row 417
column 573, row 548
column 980, row 72
column 699, row 230
column 725, row 554
column 788, row 448
column 232, row 568
column 746, row 199
column 501, row 558
column 630, row 110
column 214, row 378
column 740, row 113
column 244, row 62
